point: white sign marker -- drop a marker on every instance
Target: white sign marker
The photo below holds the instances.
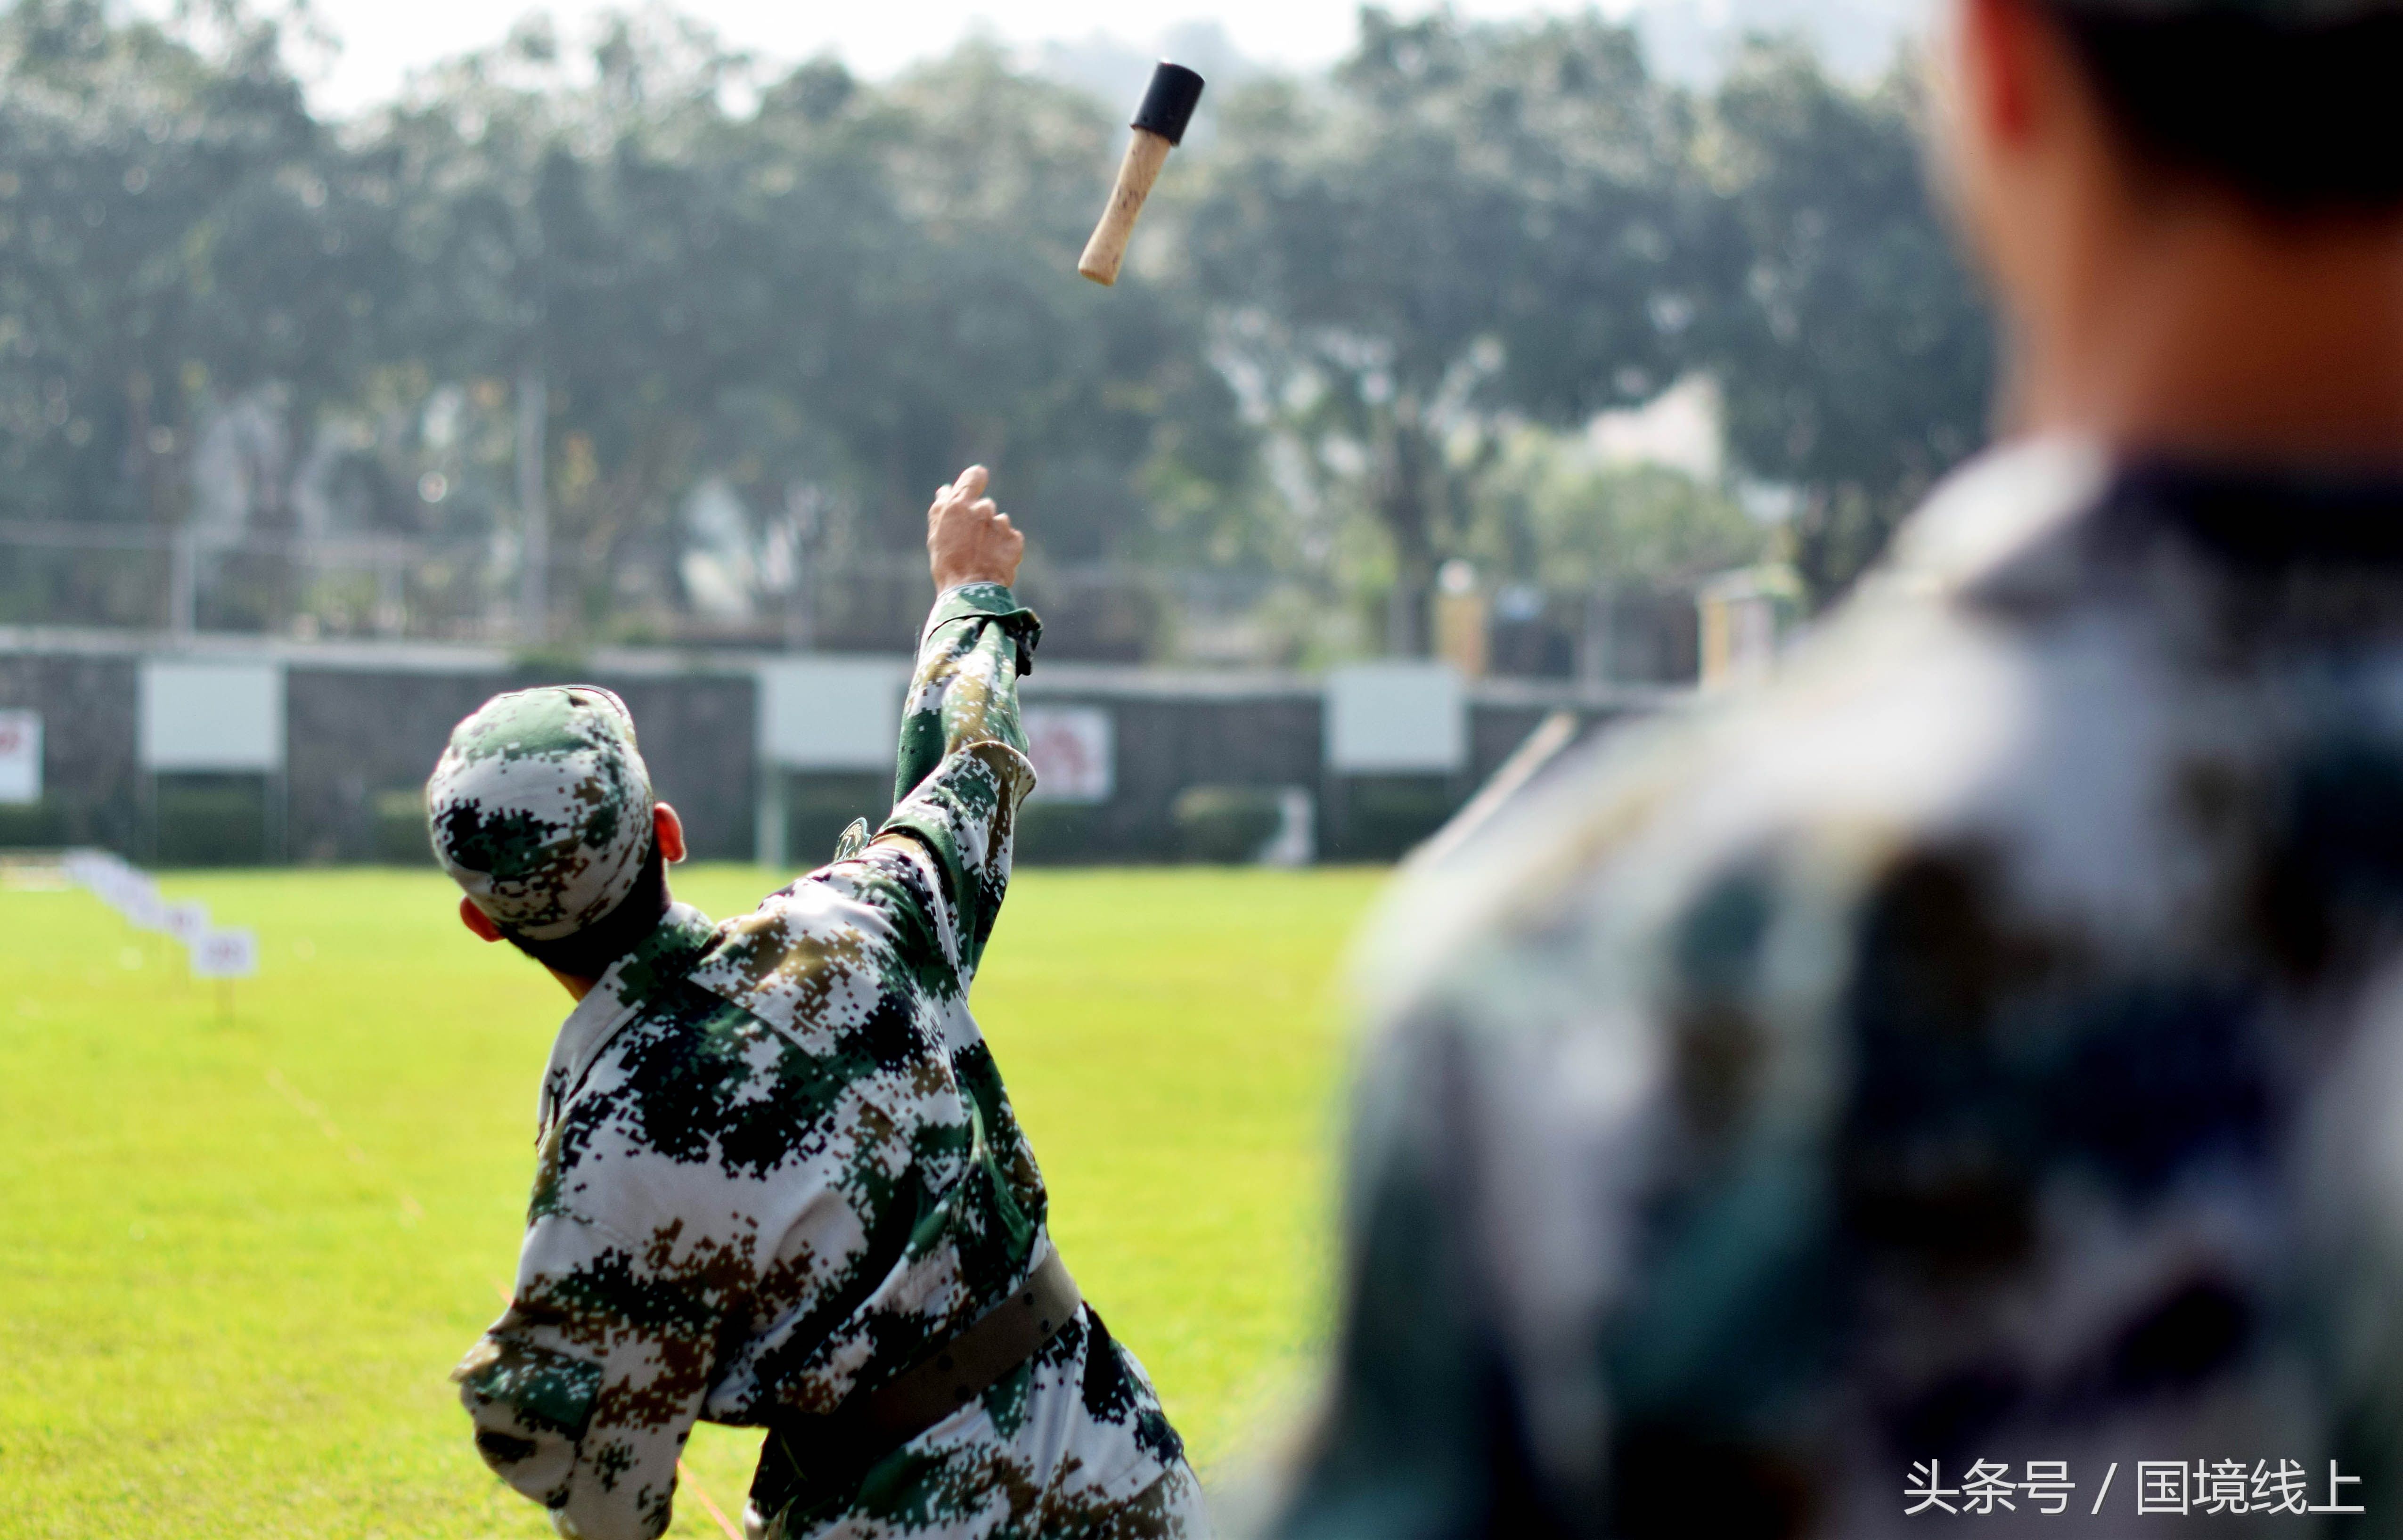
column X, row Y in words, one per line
column 210, row 716
column 229, row 954
column 1396, row 717
column 832, row 714
column 186, row 921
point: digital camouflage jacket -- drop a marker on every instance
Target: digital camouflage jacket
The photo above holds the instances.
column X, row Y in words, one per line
column 1953, row 1090
column 777, row 1166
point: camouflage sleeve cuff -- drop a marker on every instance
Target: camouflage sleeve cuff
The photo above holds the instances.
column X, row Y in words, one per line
column 531, row 1406
column 987, row 602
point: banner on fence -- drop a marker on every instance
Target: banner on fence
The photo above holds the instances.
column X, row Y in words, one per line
column 1074, row 752
column 20, row 757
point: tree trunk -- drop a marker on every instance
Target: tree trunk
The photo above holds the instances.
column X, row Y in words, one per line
column 1404, row 496
column 533, row 508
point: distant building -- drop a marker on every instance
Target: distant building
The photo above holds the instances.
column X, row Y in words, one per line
column 1748, row 617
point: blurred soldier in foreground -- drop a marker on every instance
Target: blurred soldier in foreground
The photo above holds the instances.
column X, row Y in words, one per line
column 780, row 1183
column 1967, row 1079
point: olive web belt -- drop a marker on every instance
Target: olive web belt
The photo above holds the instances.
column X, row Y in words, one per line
column 957, row 1372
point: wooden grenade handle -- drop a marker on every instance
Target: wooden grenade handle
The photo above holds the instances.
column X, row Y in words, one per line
column 1147, row 152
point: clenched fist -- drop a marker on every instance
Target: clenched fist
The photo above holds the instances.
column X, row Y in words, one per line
column 968, row 539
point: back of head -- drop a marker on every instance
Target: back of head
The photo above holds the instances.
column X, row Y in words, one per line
column 2288, row 103
column 540, row 809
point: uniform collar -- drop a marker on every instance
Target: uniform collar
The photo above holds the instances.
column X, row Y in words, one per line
column 2270, row 518
column 1994, row 513
column 2048, row 517
column 634, row 983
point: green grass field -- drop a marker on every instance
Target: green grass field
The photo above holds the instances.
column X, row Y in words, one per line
column 239, row 1252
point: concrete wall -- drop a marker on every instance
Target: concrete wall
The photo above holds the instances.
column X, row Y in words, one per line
column 365, row 725
column 361, row 737
column 92, row 791
column 1173, row 733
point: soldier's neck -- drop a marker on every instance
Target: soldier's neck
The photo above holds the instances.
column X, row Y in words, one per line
column 578, row 985
column 575, row 984
column 2202, row 330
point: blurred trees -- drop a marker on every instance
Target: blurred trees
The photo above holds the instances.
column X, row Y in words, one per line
column 1854, row 355
column 1474, row 225
column 822, row 307
column 731, row 324
column 1466, row 221
column 1551, row 509
column 826, row 306
column 174, row 232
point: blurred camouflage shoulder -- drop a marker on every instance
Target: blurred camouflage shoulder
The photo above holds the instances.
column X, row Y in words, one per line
column 1895, row 710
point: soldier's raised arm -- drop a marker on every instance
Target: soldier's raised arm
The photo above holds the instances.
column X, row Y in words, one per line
column 962, row 769
column 978, row 640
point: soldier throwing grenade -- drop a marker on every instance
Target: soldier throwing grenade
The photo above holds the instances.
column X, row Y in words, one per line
column 780, row 1183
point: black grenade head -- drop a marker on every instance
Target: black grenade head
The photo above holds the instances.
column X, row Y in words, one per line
column 1168, row 104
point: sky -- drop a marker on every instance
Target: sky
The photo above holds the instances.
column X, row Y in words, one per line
column 380, row 40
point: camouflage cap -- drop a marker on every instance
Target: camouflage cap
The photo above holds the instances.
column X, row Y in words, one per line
column 541, row 809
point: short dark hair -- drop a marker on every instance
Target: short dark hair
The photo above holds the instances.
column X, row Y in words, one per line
column 588, row 952
column 2297, row 119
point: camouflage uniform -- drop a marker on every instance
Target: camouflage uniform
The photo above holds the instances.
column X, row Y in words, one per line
column 1983, row 1045
column 777, row 1166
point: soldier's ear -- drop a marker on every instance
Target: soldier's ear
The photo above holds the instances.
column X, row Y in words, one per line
column 669, row 829
column 478, row 921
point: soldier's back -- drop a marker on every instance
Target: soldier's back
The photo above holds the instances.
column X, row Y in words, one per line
column 1960, row 1070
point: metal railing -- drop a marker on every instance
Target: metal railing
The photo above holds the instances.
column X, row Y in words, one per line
column 180, row 581
column 155, row 579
